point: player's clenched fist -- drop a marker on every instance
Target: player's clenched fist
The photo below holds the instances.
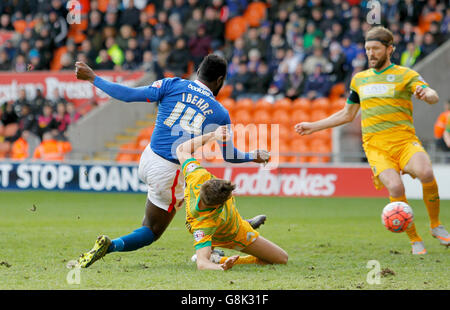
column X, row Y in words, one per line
column 84, row 72
column 304, row 128
column 229, row 262
column 222, row 134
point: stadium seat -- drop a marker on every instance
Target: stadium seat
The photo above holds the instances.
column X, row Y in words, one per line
column 299, row 145
column 245, row 103
column 298, row 116
column 20, row 25
column 235, row 28
column 283, row 104
column 126, row 153
column 337, row 90
column 320, row 104
column 228, row 104
column 255, row 13
column 261, row 117
column 103, row 5
column 242, row 116
column 55, row 64
column 263, row 104
column 318, row 115
column 280, row 117
column 283, row 147
column 302, row 103
column 225, row 92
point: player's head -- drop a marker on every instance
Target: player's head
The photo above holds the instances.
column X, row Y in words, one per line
column 212, row 71
column 379, row 46
column 215, row 192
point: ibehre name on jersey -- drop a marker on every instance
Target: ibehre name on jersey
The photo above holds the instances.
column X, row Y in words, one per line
column 372, row 90
column 196, row 100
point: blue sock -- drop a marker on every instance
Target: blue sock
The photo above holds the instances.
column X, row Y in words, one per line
column 139, row 238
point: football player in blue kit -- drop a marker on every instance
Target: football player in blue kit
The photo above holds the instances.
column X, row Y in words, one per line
column 185, row 109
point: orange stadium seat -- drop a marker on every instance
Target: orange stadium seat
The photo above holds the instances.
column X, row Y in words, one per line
column 302, row 103
column 318, row 115
column 125, row 153
column 103, row 5
column 20, row 25
column 299, row 115
column 55, row 65
column 284, row 104
column 242, row 116
column 284, row 148
column 255, row 13
column 280, row 117
column 337, row 90
column 320, row 104
column 235, row 28
column 263, row 104
column 261, row 117
column 225, row 92
column 228, row 104
column 245, row 103
column 299, row 145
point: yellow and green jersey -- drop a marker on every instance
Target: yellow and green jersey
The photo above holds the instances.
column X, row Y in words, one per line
column 208, row 226
column 385, row 99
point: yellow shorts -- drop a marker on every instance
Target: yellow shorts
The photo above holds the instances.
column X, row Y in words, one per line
column 245, row 236
column 383, row 154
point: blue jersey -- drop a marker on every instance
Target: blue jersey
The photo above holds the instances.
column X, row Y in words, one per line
column 186, row 109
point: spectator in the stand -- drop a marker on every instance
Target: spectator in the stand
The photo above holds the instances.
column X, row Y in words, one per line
column 5, row 62
column 145, row 38
column 311, row 33
column 125, row 34
column 193, row 22
column 87, row 49
column 276, row 60
column 163, row 53
column 59, row 28
column 355, row 31
column 337, row 31
column 37, row 104
column 254, row 60
column 233, row 67
column 21, row 101
column 50, row 149
column 440, row 126
column 178, row 59
column 239, row 49
column 317, row 85
column 46, row 121
column 67, row 62
column 94, row 32
column 130, row 62
column 130, row 16
column 104, row 61
column 410, row 56
column 181, row 9
column 199, row 45
column 27, row 121
column 409, row 11
column 5, row 22
column 428, row 45
column 295, row 82
column 438, row 35
column 55, row 98
column 20, row 64
column 291, row 60
column 177, row 33
column 114, row 50
column 8, row 115
column 214, row 28
column 151, row 66
column 240, row 81
column 252, row 41
column 311, row 62
column 73, row 115
column 159, row 36
column 350, row 50
column 337, row 61
column 24, row 147
column 259, row 81
column 280, row 82
column 61, row 117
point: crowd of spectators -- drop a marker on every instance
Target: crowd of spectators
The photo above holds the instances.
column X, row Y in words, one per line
column 301, row 48
column 38, row 121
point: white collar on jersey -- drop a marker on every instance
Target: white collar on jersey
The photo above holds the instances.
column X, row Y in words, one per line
column 202, row 85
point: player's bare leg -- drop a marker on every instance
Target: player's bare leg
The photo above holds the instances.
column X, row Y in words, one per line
column 157, row 219
column 394, row 184
column 420, row 166
column 266, row 251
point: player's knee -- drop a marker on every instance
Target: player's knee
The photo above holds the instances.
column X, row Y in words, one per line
column 396, row 188
column 425, row 174
column 282, row 258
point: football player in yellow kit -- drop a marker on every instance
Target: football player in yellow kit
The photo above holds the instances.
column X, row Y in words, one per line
column 212, row 217
column 383, row 92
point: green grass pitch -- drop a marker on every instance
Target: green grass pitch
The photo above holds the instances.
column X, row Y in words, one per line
column 329, row 242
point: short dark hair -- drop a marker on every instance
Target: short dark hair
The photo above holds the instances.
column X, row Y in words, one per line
column 212, row 67
column 216, row 191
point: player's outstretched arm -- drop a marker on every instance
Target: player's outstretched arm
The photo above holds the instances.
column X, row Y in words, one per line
column 426, row 94
column 346, row 115
column 187, row 148
column 115, row 90
column 203, row 262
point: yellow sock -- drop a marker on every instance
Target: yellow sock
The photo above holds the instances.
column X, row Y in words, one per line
column 248, row 259
column 432, row 202
column 411, row 231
